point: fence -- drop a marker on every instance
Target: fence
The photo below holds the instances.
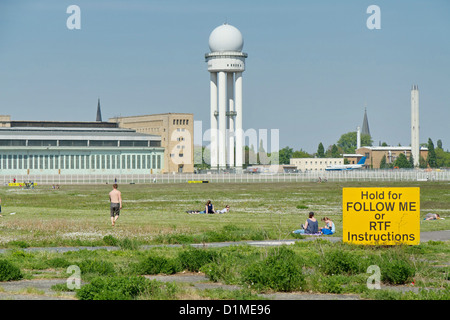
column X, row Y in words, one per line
column 310, row 176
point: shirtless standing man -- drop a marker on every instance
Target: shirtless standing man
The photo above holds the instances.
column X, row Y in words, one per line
column 115, row 197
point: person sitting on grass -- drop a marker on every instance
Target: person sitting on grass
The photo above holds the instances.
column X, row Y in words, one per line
column 329, row 226
column 209, row 208
column 311, row 226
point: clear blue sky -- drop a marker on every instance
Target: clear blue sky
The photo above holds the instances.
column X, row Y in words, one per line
column 312, row 67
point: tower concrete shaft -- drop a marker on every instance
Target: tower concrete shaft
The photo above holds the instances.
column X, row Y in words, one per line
column 226, row 109
column 415, row 146
column 213, row 119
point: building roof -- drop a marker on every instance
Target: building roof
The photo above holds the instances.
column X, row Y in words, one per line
column 62, row 124
column 352, row 154
column 74, row 133
column 150, row 115
column 386, row 148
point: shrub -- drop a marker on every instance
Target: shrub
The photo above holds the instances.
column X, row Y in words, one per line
column 228, row 264
column 126, row 288
column 341, row 262
column 18, row 244
column 95, row 266
column 332, row 284
column 175, row 238
column 280, row 271
column 113, row 288
column 396, row 269
column 128, row 244
column 9, row 272
column 58, row 263
column 110, row 240
column 156, row 265
column 193, row 259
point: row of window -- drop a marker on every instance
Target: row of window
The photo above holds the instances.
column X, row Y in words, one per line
column 93, row 161
column 78, row 143
column 315, row 162
column 181, row 121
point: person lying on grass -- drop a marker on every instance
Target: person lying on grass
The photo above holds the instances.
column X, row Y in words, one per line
column 432, row 216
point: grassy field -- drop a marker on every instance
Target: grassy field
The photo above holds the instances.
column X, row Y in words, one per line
column 155, row 213
column 78, row 215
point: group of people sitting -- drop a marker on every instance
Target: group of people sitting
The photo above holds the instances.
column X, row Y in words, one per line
column 311, row 226
column 209, row 209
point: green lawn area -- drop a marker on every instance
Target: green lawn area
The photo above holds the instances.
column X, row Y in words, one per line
column 78, row 215
column 155, row 213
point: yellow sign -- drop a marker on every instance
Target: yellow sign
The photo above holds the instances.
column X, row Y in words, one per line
column 381, row 216
column 21, row 184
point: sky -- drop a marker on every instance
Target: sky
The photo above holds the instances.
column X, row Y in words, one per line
column 313, row 66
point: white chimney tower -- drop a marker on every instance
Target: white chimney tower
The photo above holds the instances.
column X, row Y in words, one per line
column 415, row 148
column 358, row 137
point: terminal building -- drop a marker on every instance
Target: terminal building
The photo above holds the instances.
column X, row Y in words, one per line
column 47, row 147
column 177, row 137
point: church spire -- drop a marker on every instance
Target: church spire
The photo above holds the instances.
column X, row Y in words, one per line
column 365, row 125
column 99, row 113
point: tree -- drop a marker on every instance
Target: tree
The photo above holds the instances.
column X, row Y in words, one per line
column 439, row 144
column 250, row 156
column 348, row 141
column 262, row 157
column 383, row 164
column 431, row 158
column 402, row 161
column 285, row 155
column 422, row 163
column 301, row 154
column 442, row 158
column 321, row 151
column 335, row 151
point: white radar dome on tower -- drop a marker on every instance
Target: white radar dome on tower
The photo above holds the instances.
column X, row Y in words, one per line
column 226, row 38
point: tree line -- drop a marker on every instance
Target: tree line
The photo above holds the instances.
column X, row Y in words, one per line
column 347, row 144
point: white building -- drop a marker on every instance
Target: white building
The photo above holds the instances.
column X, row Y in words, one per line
column 29, row 148
column 315, row 164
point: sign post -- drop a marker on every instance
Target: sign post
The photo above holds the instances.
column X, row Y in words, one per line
column 381, row 216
